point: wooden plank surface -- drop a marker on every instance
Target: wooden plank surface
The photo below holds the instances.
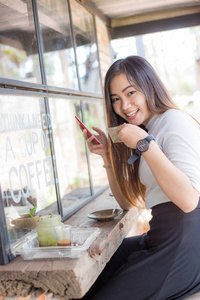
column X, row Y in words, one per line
column 70, row 278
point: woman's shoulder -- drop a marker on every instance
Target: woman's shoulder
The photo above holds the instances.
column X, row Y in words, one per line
column 173, row 120
column 168, row 115
column 175, row 117
column 175, row 113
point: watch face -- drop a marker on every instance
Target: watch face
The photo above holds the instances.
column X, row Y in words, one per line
column 142, row 145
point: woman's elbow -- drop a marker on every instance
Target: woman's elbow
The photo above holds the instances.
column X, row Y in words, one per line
column 126, row 206
column 191, row 203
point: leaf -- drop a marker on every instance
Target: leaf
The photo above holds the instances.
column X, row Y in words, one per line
column 32, row 211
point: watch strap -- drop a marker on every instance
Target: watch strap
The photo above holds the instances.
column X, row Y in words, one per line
column 134, row 157
column 137, row 153
column 149, row 138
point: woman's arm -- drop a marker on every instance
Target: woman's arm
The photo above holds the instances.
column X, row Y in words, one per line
column 102, row 150
column 176, row 185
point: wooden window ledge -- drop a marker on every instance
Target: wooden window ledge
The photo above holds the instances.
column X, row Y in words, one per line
column 70, row 278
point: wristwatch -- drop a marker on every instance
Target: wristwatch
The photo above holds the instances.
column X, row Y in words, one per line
column 142, row 146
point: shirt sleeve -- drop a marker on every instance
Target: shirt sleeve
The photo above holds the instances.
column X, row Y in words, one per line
column 181, row 144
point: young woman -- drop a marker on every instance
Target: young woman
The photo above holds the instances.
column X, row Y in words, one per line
column 157, row 163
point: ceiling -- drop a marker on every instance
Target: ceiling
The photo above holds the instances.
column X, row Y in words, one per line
column 125, row 8
column 125, row 17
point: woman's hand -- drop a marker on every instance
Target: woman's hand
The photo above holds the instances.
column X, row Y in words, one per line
column 130, row 134
column 102, row 148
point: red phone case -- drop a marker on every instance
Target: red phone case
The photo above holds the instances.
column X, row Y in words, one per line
column 87, row 129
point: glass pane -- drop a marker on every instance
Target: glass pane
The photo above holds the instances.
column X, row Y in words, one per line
column 173, row 53
column 58, row 47
column 86, row 48
column 18, row 47
column 94, row 117
column 26, row 173
column 70, row 154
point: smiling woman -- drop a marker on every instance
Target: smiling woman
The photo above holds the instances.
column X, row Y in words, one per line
column 163, row 173
column 128, row 102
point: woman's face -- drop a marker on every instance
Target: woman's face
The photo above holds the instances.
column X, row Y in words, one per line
column 127, row 102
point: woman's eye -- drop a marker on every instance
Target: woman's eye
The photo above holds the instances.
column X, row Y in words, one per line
column 114, row 99
column 131, row 93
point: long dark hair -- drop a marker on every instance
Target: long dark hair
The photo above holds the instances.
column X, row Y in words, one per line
column 143, row 78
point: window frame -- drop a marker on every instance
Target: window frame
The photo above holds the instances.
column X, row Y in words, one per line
column 21, row 88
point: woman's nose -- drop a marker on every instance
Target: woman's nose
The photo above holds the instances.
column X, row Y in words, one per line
column 125, row 104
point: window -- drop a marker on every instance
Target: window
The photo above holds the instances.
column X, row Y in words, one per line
column 18, row 43
column 49, row 73
column 94, row 117
column 86, row 49
column 59, row 58
column 27, row 164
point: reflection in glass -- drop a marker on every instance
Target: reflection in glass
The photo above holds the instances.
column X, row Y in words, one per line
column 70, row 153
column 58, row 47
column 18, row 47
column 94, row 117
column 26, row 172
column 86, row 49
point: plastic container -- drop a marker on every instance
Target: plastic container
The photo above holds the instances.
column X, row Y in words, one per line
column 81, row 239
column 46, row 230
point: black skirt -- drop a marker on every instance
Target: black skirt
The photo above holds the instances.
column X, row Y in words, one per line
column 162, row 264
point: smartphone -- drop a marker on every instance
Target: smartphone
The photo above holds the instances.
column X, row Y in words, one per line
column 89, row 133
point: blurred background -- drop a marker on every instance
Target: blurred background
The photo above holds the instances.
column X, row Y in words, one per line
column 175, row 55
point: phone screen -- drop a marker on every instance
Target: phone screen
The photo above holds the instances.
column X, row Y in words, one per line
column 83, row 125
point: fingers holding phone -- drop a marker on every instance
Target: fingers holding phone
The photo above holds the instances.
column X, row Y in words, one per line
column 90, row 138
column 96, row 144
column 89, row 134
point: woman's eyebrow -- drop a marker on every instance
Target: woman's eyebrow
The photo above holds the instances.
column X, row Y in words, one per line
column 129, row 86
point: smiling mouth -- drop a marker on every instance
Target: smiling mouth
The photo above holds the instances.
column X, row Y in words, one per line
column 133, row 113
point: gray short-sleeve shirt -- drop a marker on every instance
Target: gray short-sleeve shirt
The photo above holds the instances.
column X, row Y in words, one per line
column 178, row 136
